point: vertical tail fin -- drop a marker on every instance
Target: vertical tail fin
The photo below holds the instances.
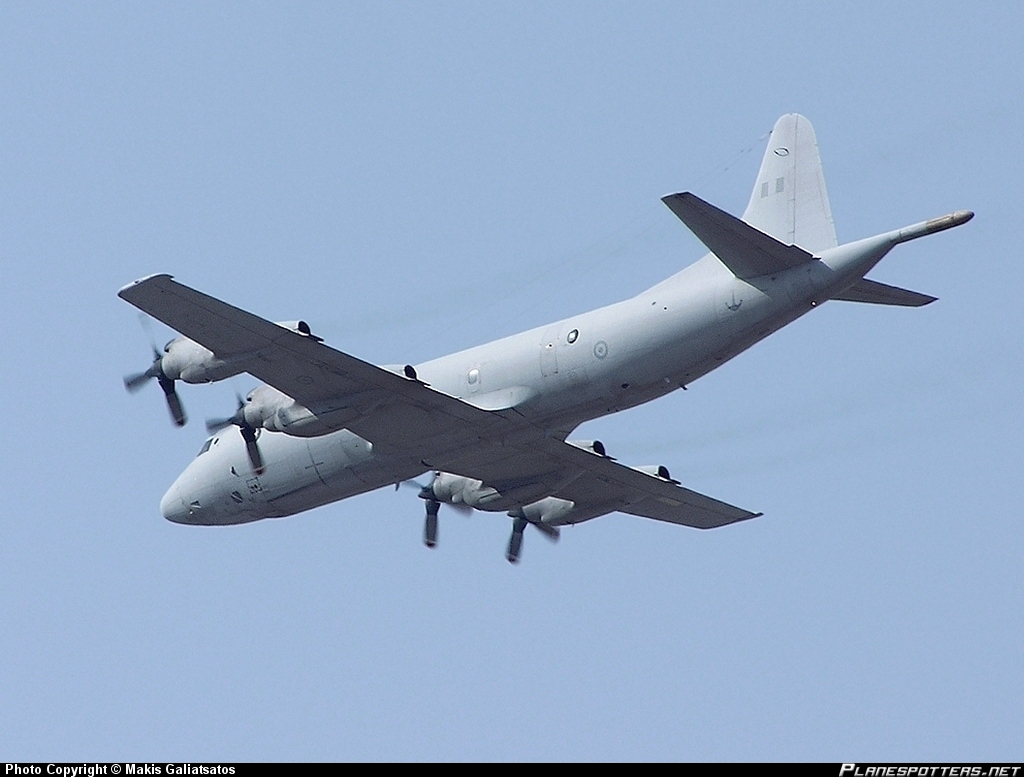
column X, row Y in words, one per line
column 789, row 201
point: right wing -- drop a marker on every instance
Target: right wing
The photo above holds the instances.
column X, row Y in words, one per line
column 606, row 486
column 405, row 417
column 534, row 466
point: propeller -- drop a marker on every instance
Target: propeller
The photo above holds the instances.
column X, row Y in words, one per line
column 249, row 434
column 433, row 504
column 515, row 542
column 156, row 370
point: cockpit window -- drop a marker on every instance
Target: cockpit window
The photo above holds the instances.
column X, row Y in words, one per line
column 205, row 448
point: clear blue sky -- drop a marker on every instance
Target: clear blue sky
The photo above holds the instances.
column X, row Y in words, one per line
column 417, row 178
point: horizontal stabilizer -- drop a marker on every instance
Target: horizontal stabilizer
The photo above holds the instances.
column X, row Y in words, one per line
column 880, row 294
column 746, row 251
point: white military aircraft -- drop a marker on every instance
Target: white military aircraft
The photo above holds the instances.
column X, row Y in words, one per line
column 491, row 423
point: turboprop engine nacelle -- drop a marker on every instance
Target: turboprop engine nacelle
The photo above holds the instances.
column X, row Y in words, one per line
column 550, row 511
column 187, row 360
column 267, row 408
column 456, row 489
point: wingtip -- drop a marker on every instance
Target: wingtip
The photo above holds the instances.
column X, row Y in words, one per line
column 128, row 287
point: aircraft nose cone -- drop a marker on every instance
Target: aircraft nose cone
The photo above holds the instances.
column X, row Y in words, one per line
column 172, row 506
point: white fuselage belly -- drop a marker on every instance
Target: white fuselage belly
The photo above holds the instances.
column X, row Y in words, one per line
column 617, row 357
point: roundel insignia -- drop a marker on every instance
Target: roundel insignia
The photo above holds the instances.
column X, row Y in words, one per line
column 600, row 349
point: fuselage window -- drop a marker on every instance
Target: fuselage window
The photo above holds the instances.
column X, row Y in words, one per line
column 571, row 337
column 205, row 448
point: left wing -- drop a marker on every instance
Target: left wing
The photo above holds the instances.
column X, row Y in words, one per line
column 387, row 406
column 403, row 416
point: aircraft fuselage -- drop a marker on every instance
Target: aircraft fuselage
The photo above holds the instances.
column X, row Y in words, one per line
column 558, row 376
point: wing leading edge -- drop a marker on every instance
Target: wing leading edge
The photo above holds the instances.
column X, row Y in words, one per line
column 404, row 416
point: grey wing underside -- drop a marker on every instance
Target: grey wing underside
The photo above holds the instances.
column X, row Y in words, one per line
column 408, row 418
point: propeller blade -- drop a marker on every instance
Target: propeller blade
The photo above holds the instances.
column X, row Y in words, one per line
column 177, row 411
column 214, row 425
column 430, row 526
column 253, row 449
column 424, row 490
column 515, row 542
column 173, row 402
column 144, row 323
column 134, row 382
column 551, row 532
